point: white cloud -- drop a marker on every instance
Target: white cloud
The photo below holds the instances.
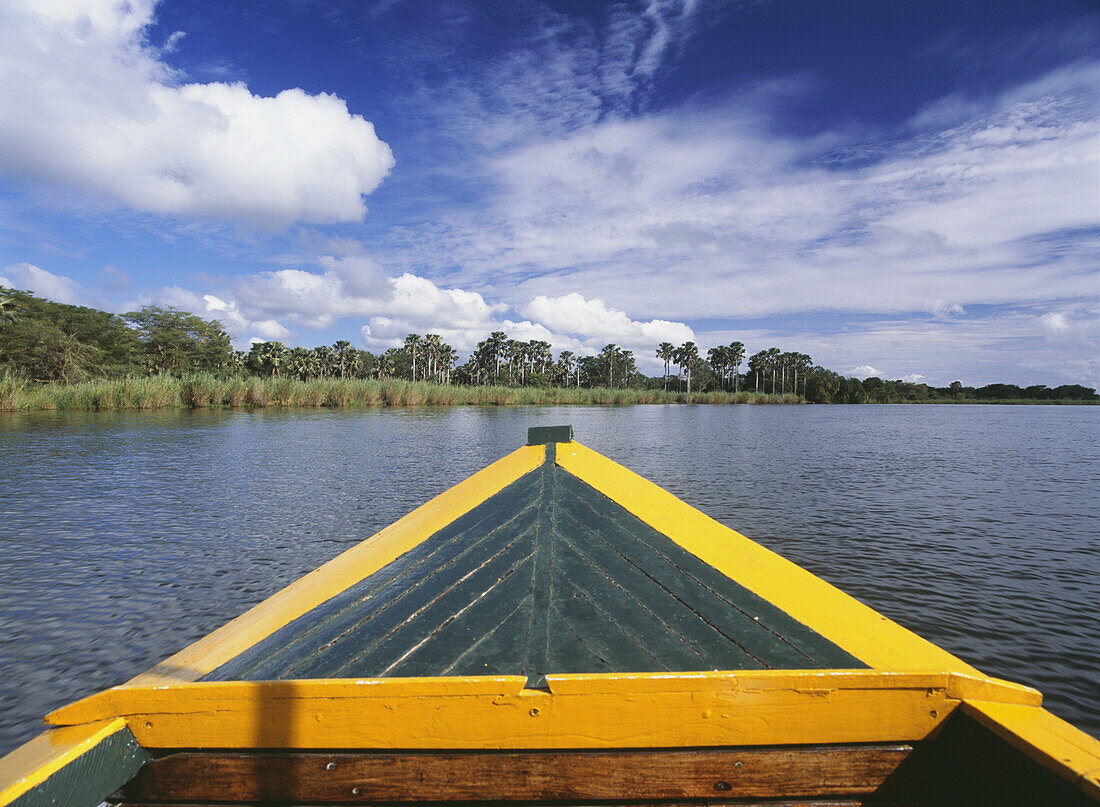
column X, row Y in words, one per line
column 1055, row 324
column 29, row 277
column 914, row 378
column 708, row 213
column 88, row 102
column 409, row 303
column 573, row 314
column 864, row 371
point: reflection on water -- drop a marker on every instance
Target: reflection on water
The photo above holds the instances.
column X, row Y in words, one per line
column 125, row 536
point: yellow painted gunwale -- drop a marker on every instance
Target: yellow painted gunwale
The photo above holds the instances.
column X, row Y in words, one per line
column 1044, row 737
column 868, row 635
column 37, row 760
column 347, row 569
column 616, row 710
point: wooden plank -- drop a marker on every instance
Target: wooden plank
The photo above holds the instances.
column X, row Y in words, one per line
column 685, row 774
column 853, row 626
column 771, row 637
column 613, row 710
column 213, row 650
column 320, row 642
column 707, row 803
column 75, row 766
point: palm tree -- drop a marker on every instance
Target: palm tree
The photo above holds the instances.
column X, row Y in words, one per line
column 433, row 349
column 448, row 357
column 609, row 354
column 566, row 360
column 626, row 366
column 772, row 355
column 325, row 360
column 298, row 363
column 235, row 362
column 718, row 361
column 497, row 343
column 736, row 354
column 355, row 362
column 804, row 363
column 687, row 356
column 271, row 355
column 665, row 352
column 341, row 353
column 758, row 363
column 413, row 344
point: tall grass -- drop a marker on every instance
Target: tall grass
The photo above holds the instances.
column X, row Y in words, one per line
column 201, row 390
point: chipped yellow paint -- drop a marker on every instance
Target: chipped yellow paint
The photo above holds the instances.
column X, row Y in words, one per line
column 213, row 650
column 34, row 762
column 866, row 634
column 1049, row 740
column 654, row 710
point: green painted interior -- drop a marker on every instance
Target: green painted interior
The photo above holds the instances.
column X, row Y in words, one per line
column 540, row 435
column 547, row 576
column 91, row 777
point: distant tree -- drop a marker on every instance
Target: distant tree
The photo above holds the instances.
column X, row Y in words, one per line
column 272, row 356
column 801, row 362
column 413, row 346
column 343, row 354
column 9, row 308
column 716, row 358
column 665, row 352
column 823, row 386
column 495, row 344
column 735, row 353
column 176, row 341
column 566, row 365
column 875, row 388
column 327, row 363
column 50, row 341
column 772, row 360
column 609, row 355
column 687, row 358
column 236, row 362
column 758, row 363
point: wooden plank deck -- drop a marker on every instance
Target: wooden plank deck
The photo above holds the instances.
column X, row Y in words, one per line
column 547, row 576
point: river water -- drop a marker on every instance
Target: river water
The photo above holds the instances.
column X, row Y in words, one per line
column 126, row 536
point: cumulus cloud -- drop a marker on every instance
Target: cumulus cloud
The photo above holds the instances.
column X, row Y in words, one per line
column 864, row 371
column 88, row 102
column 573, row 314
column 28, row 277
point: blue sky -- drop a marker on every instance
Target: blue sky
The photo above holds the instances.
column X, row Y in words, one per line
column 903, row 189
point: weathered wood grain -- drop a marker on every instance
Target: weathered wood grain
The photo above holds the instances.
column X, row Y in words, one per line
column 705, row 774
column 874, row 802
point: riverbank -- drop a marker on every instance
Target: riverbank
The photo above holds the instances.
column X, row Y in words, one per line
column 204, row 390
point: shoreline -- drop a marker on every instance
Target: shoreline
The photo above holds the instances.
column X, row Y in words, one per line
column 202, row 391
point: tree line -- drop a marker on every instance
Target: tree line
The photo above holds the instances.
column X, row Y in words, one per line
column 47, row 341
